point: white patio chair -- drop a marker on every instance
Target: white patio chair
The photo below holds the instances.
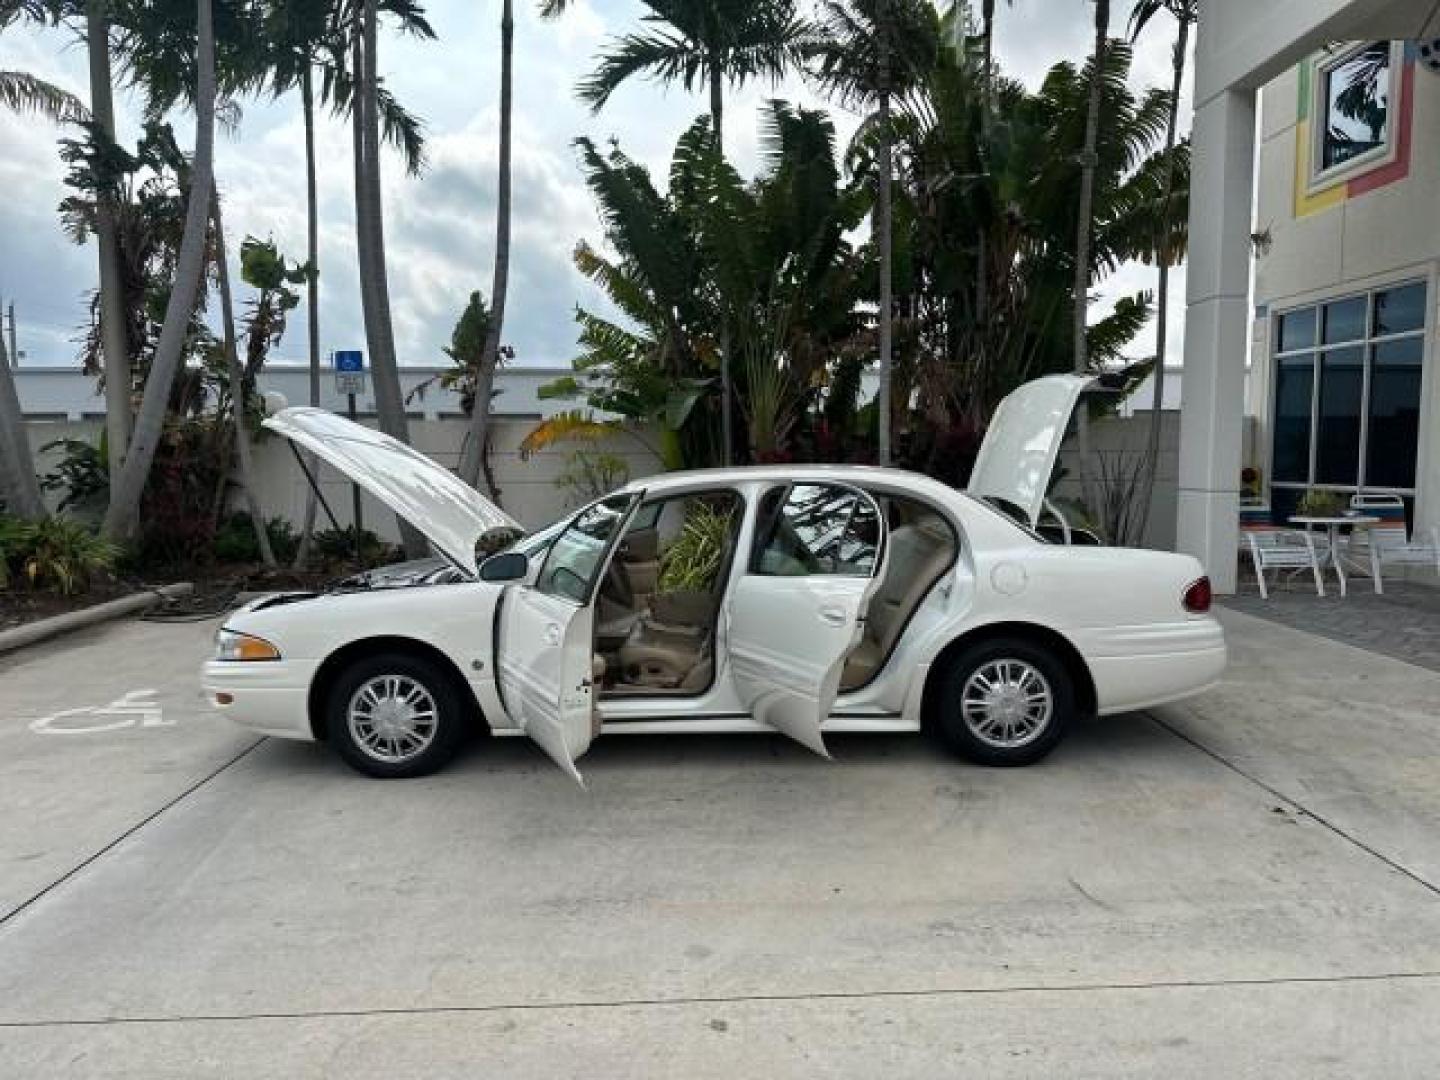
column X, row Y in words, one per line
column 1273, row 548
column 1387, row 542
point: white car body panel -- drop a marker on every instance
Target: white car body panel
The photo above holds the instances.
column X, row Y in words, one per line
column 451, row 514
column 545, row 672
column 1018, row 455
column 1119, row 610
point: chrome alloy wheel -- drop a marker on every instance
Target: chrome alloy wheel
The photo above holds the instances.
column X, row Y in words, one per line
column 392, row 718
column 1006, row 703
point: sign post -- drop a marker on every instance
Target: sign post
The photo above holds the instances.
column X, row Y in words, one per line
column 350, row 380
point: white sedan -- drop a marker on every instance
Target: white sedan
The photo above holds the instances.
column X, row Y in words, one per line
column 799, row 599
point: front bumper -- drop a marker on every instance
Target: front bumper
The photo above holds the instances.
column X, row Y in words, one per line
column 269, row 697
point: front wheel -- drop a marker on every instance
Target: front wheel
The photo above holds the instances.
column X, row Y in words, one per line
column 393, row 716
column 1005, row 701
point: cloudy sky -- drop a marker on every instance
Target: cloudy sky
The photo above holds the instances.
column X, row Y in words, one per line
column 440, row 226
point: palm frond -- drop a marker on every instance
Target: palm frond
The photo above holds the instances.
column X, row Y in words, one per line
column 571, row 426
column 24, row 93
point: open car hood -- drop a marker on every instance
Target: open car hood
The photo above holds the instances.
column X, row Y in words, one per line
column 1018, row 455
column 451, row 514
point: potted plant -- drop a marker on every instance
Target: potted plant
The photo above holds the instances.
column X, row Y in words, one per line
column 1316, row 503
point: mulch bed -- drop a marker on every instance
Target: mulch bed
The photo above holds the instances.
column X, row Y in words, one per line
column 21, row 606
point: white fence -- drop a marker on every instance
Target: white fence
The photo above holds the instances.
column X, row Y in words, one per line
column 531, row 491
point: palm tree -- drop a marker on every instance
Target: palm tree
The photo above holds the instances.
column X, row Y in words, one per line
column 702, row 42
column 705, row 43
column 236, row 378
column 114, row 342
column 868, row 52
column 370, row 242
column 1186, row 13
column 19, row 487
column 126, row 490
column 474, row 455
column 309, row 38
column 15, row 88
column 1084, row 227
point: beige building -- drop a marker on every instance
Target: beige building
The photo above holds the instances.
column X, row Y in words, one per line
column 1348, row 216
column 1316, row 146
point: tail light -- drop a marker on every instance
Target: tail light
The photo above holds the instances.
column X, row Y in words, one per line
column 1197, row 596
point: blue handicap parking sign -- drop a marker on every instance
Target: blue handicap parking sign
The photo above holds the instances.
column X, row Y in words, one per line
column 349, row 360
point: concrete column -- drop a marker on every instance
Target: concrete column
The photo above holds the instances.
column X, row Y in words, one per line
column 1216, row 332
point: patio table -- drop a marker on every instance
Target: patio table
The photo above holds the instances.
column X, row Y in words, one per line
column 1332, row 523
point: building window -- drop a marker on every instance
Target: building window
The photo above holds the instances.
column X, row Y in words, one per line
column 1346, row 411
column 1355, row 92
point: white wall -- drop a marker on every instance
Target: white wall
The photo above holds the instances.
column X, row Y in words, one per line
column 529, row 491
column 1124, row 437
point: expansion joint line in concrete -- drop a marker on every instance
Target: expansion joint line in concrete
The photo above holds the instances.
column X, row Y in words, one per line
column 733, row 999
column 113, row 844
column 1319, row 819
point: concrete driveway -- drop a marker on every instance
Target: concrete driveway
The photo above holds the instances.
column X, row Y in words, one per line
column 1241, row 886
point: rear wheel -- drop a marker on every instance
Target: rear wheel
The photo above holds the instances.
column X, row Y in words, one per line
column 393, row 716
column 1006, row 701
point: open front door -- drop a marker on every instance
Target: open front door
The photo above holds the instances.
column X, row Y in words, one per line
column 799, row 609
column 546, row 652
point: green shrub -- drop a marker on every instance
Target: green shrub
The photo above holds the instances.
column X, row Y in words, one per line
column 338, row 545
column 54, row 553
column 235, row 539
column 82, row 474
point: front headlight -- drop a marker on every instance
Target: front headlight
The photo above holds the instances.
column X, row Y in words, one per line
column 230, row 645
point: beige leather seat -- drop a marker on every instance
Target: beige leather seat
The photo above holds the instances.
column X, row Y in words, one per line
column 625, row 594
column 639, row 559
column 670, row 646
column 918, row 555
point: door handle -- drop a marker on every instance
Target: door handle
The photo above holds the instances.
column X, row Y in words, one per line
column 552, row 634
column 835, row 616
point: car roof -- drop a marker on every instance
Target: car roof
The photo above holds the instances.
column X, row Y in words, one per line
column 689, row 479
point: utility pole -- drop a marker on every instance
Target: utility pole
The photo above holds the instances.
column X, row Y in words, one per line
column 14, row 348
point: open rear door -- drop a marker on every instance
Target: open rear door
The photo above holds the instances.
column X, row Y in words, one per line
column 546, row 650
column 799, row 609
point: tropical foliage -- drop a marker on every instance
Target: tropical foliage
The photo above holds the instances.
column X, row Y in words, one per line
column 985, row 250
column 53, row 552
column 951, row 247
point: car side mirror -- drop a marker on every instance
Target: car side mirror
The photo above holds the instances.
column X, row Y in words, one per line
column 506, row 566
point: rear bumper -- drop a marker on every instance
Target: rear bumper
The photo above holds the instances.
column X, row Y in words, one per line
column 268, row 698
column 1138, row 666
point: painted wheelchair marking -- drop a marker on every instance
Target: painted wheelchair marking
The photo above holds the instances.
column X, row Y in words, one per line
column 135, row 709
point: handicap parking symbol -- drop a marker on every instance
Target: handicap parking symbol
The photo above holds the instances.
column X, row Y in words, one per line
column 135, row 709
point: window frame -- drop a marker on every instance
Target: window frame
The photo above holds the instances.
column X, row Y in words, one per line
column 1319, row 177
column 758, row 537
column 1316, row 351
column 633, row 498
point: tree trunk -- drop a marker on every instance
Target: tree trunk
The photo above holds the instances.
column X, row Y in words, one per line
column 312, row 293
column 384, row 368
column 125, row 493
column 18, row 484
column 1162, row 286
column 1083, row 230
column 237, row 389
column 114, row 337
column 470, row 469
column 883, row 225
column 727, row 387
